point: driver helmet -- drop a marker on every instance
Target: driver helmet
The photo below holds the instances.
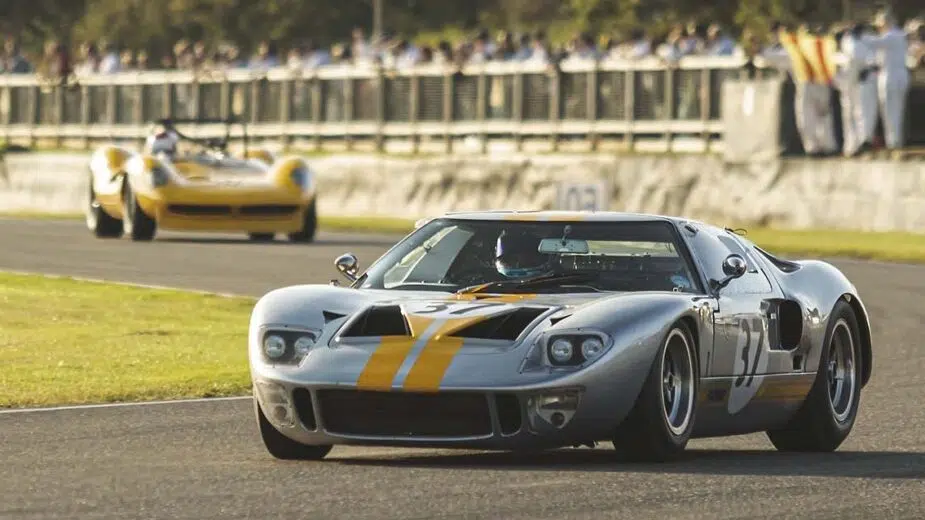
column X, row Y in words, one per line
column 162, row 142
column 517, row 255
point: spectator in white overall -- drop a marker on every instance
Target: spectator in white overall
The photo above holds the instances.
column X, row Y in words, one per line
column 812, row 108
column 856, row 75
column 893, row 78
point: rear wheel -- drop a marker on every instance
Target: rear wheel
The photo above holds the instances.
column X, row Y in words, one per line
column 659, row 425
column 282, row 447
column 828, row 414
column 135, row 223
column 309, row 225
column 100, row 223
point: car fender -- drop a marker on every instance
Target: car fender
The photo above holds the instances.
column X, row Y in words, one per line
column 818, row 286
column 138, row 174
column 107, row 173
column 282, row 172
column 642, row 321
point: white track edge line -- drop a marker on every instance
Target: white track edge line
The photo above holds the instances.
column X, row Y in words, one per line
column 124, row 405
column 127, row 284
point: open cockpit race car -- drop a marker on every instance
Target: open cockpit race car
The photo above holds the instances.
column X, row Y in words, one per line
column 538, row 330
column 185, row 183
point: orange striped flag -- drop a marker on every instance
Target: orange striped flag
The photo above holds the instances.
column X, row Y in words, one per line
column 802, row 70
column 820, row 55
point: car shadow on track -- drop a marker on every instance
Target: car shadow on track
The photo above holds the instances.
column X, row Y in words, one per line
column 856, row 464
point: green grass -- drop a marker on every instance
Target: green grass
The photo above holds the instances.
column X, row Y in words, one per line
column 886, row 246
column 64, row 341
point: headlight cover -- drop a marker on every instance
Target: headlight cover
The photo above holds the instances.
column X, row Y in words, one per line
column 286, row 346
column 301, row 177
column 566, row 350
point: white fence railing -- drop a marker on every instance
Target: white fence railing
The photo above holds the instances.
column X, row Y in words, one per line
column 628, row 100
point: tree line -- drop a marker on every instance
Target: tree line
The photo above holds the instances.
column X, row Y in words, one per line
column 157, row 24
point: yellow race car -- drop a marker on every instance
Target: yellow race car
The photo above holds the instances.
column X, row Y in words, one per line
column 188, row 183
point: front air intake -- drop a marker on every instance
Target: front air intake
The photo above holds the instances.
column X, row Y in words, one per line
column 385, row 320
column 505, row 327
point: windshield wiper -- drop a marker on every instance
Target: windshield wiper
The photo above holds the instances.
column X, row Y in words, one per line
column 536, row 281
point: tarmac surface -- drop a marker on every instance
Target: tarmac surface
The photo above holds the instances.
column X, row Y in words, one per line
column 204, row 459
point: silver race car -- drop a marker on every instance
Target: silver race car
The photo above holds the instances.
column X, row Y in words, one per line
column 535, row 330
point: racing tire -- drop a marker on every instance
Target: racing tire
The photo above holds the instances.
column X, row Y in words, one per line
column 100, row 223
column 138, row 226
column 282, row 447
column 827, row 415
column 309, row 226
column 261, row 237
column 659, row 425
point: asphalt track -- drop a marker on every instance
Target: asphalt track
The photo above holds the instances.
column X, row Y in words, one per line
column 204, row 460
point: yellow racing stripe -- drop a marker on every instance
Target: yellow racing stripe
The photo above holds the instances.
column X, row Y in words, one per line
column 384, row 363
column 496, row 298
column 436, row 356
column 382, row 366
column 534, row 216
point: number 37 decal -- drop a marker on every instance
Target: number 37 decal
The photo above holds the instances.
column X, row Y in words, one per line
column 749, row 349
column 750, row 362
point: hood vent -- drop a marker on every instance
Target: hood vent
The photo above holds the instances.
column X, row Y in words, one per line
column 386, row 320
column 506, row 327
column 557, row 319
column 331, row 316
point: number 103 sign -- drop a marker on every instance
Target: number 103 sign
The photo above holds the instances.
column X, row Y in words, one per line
column 591, row 196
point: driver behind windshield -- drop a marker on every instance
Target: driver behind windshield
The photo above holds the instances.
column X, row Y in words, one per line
column 163, row 142
column 517, row 255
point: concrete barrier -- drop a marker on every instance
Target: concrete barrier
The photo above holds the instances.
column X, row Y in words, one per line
column 792, row 193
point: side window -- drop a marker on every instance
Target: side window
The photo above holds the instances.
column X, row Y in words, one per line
column 754, row 281
column 712, row 248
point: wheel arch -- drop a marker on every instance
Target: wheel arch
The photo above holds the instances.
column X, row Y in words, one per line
column 694, row 329
column 867, row 351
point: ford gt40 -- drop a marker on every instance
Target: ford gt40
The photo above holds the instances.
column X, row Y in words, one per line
column 186, row 183
column 537, row 330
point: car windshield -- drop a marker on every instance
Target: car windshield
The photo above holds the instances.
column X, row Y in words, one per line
column 513, row 256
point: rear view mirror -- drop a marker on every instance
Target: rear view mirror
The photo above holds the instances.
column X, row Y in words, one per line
column 734, row 266
column 564, row 245
column 348, row 266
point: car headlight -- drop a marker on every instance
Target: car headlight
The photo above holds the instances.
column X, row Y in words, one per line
column 592, row 348
column 566, row 349
column 301, row 177
column 287, row 346
column 561, row 351
column 274, row 347
column 159, row 176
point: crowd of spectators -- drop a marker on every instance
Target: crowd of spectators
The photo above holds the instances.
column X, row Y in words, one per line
column 105, row 57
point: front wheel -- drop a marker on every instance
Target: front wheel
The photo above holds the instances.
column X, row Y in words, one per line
column 135, row 223
column 660, row 424
column 828, row 414
column 282, row 447
column 309, row 225
column 100, row 223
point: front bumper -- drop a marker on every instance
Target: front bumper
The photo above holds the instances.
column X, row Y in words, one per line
column 478, row 419
column 267, row 214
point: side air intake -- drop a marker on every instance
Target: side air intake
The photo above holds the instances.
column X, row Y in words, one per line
column 506, row 327
column 386, row 320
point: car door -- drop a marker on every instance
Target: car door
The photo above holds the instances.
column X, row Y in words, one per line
column 741, row 349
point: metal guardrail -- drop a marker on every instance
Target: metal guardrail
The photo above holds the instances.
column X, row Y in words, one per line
column 623, row 100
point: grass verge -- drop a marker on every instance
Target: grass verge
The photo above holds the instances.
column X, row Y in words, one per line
column 65, row 341
column 874, row 245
